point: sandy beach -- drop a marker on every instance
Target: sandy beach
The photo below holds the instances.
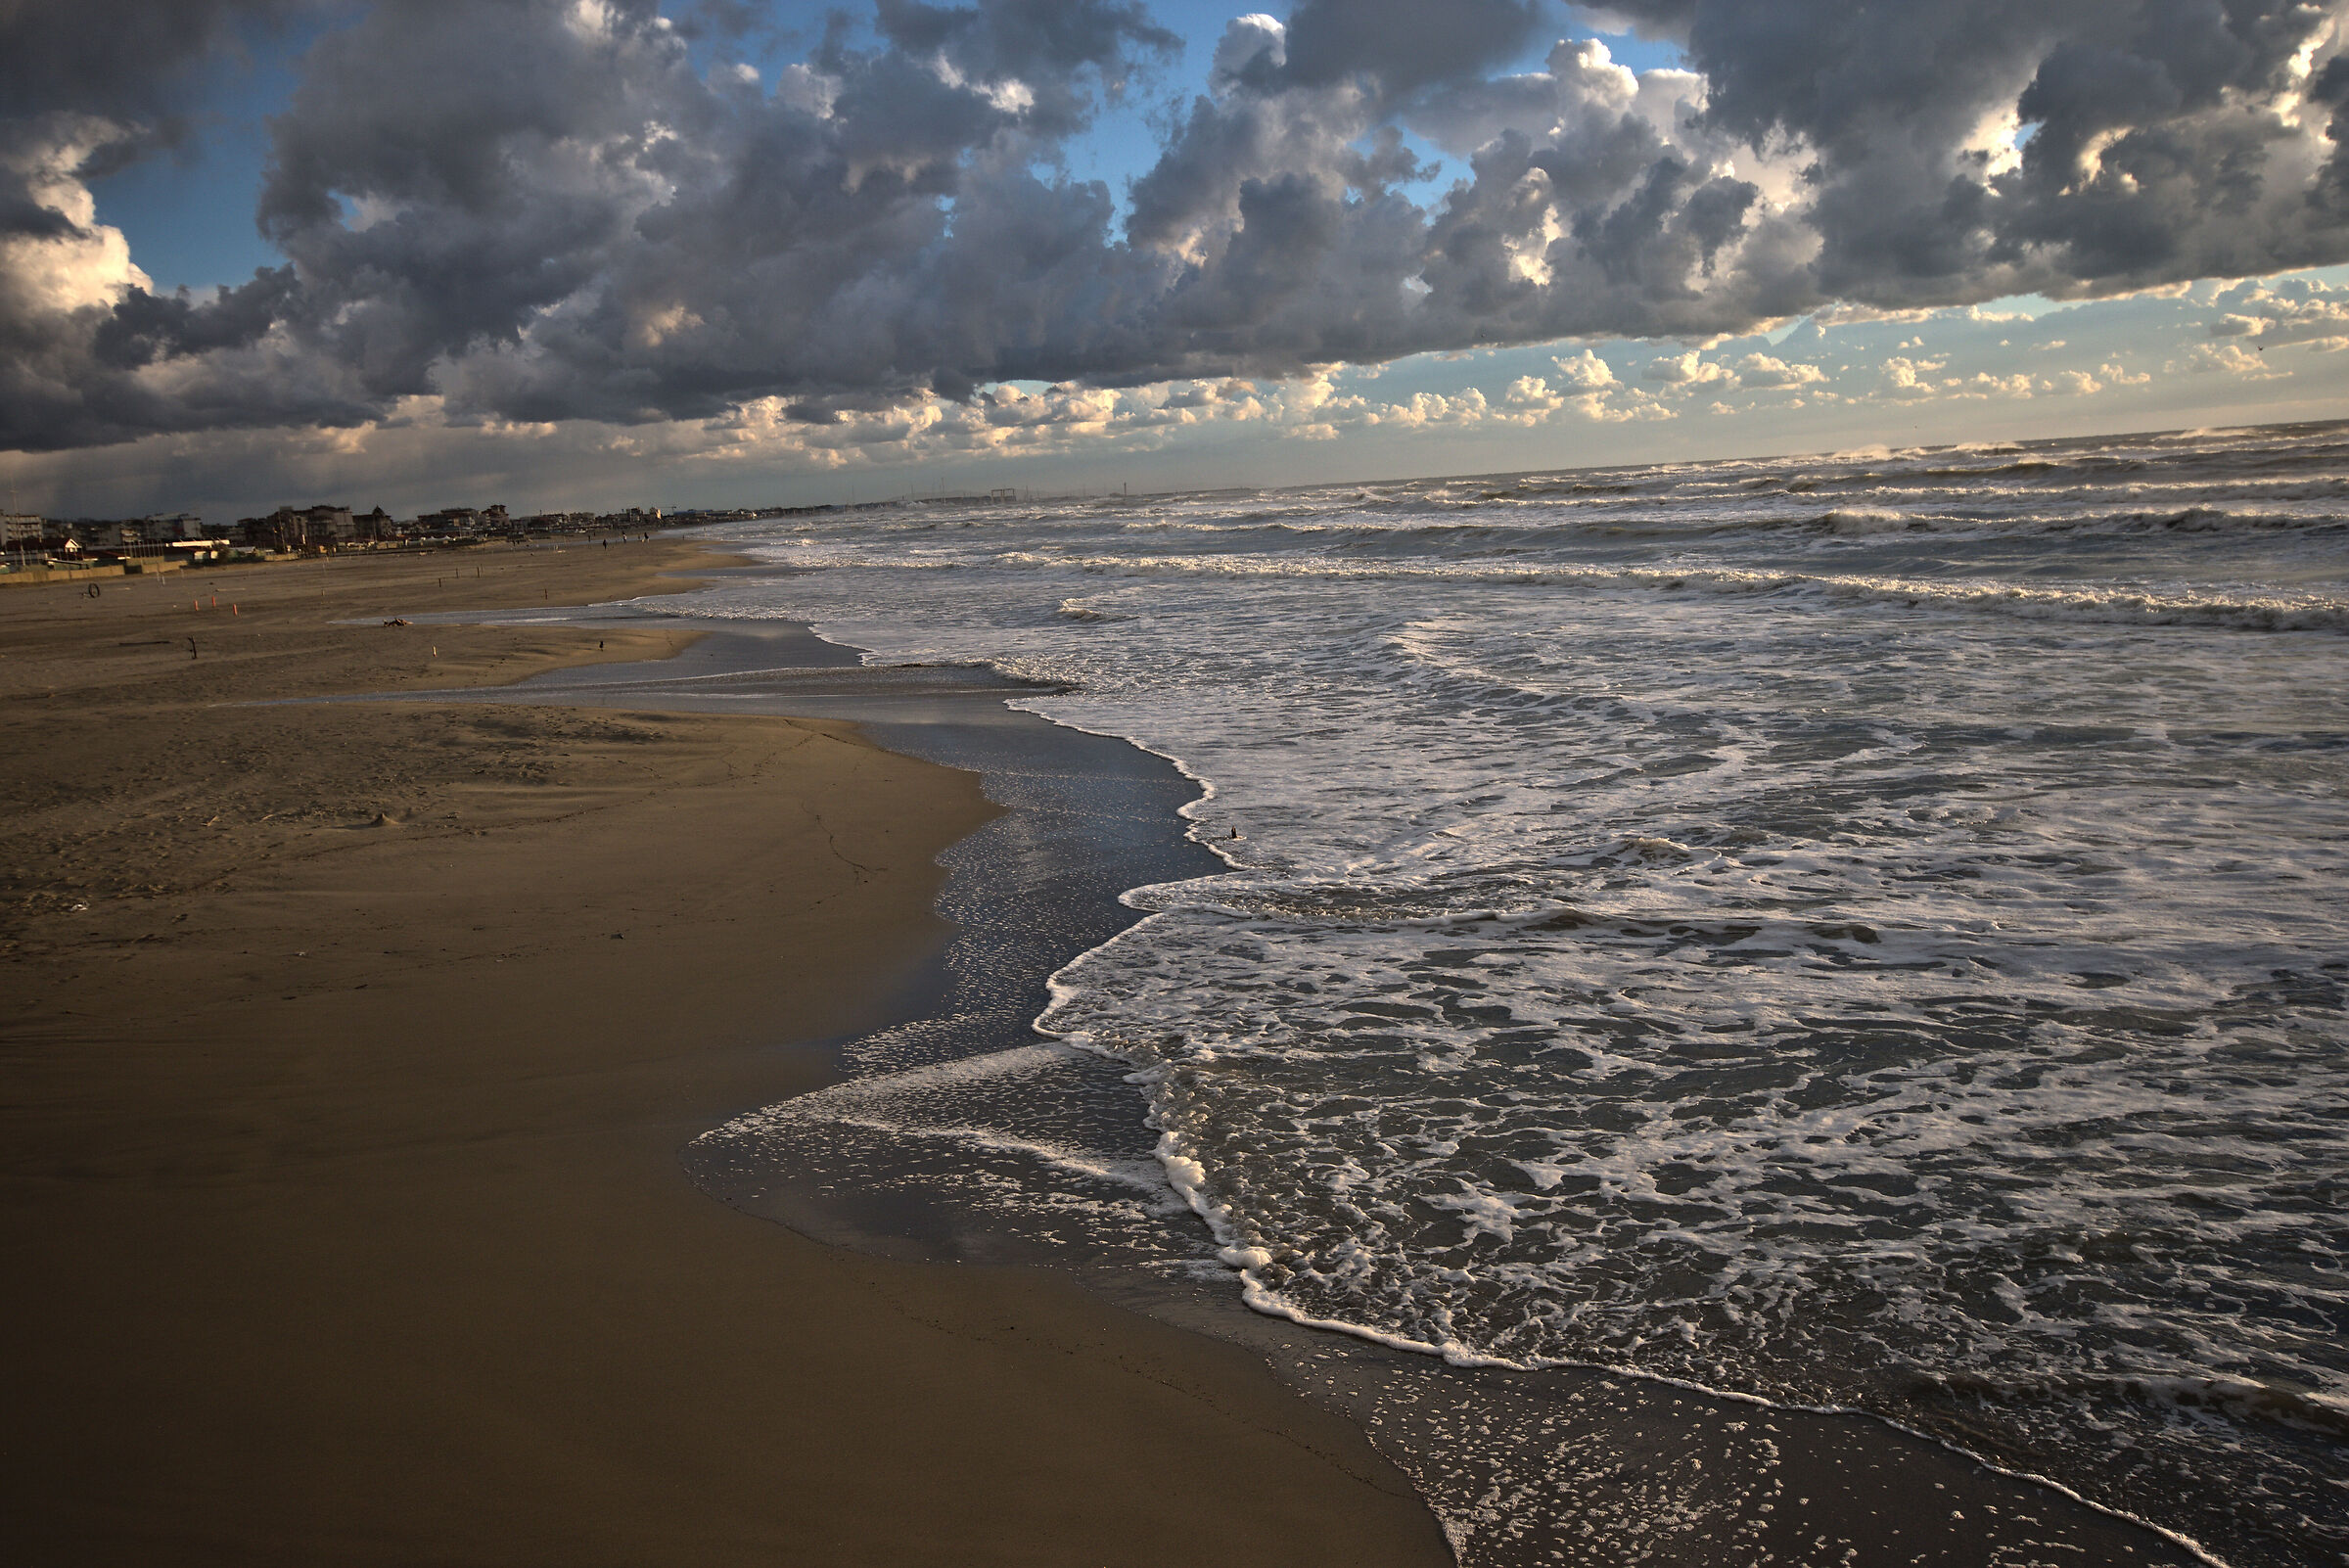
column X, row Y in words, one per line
column 348, row 1053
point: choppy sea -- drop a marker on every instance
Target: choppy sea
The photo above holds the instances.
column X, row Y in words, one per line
column 1864, row 931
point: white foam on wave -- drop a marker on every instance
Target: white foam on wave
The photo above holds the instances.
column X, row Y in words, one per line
column 2113, row 605
column 921, row 1104
column 1249, row 1260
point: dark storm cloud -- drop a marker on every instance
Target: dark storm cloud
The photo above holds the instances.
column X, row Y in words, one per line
column 1026, row 38
column 2154, row 121
column 85, row 89
column 145, row 326
column 1404, row 44
column 116, row 56
column 544, row 210
column 113, row 75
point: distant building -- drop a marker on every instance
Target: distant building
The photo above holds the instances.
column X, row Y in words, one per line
column 170, row 528
column 282, row 530
column 20, row 529
column 107, row 535
column 299, row 527
column 329, row 525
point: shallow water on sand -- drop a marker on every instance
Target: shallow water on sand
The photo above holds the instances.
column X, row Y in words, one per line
column 1857, row 932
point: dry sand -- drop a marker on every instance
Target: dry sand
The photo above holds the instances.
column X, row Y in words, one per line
column 348, row 1051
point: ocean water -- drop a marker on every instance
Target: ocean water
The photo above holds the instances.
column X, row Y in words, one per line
column 1867, row 932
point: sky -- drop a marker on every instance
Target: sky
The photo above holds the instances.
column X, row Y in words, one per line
column 566, row 253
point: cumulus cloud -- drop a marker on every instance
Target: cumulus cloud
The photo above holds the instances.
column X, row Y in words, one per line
column 2227, row 359
column 1533, row 393
column 2289, row 311
column 1982, row 383
column 1585, row 371
column 541, row 210
column 1904, row 377
column 1689, row 371
column 1760, row 370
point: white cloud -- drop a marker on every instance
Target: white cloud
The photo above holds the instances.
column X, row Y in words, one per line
column 1629, row 407
column 2230, row 359
column 1533, row 393
column 1585, row 371
column 1425, row 410
column 1985, row 385
column 1689, row 370
column 83, row 263
column 2290, row 310
column 1904, row 377
column 1760, row 370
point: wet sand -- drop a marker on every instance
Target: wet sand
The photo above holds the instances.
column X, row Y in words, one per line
column 339, row 1188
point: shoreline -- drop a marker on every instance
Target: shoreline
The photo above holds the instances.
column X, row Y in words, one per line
column 1745, row 1474
column 403, row 1268
column 1353, row 1417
